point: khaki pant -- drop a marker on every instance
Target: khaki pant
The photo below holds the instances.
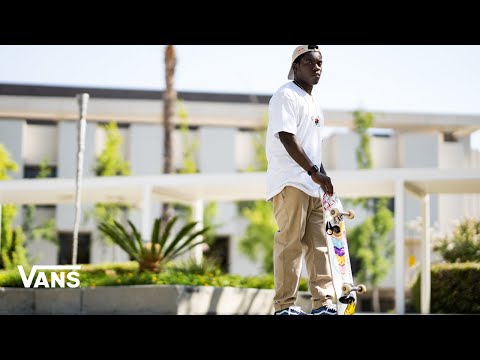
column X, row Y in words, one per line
column 300, row 223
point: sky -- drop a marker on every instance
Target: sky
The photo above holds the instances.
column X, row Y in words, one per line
column 395, row 78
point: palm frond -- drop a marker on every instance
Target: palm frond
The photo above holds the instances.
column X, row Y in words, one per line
column 155, row 239
column 161, row 247
column 185, row 229
column 166, row 232
column 138, row 237
column 125, row 242
column 174, row 252
column 186, row 250
column 126, row 234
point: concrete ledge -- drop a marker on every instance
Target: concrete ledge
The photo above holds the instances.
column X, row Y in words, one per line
column 130, row 300
column 17, row 301
column 141, row 300
column 57, row 301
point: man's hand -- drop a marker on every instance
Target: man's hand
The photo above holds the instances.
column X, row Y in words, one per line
column 324, row 181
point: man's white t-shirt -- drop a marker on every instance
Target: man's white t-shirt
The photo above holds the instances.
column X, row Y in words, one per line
column 292, row 110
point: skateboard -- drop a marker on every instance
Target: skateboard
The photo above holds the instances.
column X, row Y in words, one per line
column 338, row 256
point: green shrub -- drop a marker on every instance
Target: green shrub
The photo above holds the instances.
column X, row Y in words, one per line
column 172, row 274
column 162, row 247
column 464, row 245
column 10, row 278
column 191, row 266
column 454, row 289
column 123, row 267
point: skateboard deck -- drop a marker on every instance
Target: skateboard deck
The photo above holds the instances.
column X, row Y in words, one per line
column 338, row 256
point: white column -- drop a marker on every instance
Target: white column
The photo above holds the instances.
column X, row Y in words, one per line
column 146, row 216
column 197, row 212
column 425, row 277
column 399, row 247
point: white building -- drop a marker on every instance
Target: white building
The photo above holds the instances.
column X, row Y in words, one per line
column 38, row 122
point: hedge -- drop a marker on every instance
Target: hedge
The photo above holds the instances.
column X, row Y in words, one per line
column 455, row 289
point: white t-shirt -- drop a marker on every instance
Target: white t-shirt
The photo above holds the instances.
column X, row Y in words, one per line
column 292, row 110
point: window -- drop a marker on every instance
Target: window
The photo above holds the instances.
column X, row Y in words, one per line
column 66, row 243
column 32, row 171
column 218, row 252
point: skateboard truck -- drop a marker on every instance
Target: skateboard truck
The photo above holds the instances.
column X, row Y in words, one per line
column 332, row 229
column 349, row 214
column 348, row 288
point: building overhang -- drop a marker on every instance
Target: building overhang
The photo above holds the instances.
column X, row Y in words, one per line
column 188, row 188
column 57, row 103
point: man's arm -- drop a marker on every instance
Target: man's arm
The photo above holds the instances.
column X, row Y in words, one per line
column 322, row 170
column 295, row 150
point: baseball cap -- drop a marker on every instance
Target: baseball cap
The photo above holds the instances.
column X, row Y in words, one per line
column 299, row 50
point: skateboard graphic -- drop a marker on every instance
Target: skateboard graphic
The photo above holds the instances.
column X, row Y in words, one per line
column 338, row 256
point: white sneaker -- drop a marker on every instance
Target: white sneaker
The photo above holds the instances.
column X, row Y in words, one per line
column 291, row 310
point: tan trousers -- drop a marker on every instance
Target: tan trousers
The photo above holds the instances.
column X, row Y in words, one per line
column 300, row 223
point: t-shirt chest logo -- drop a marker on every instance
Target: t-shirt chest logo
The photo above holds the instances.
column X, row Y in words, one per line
column 316, row 121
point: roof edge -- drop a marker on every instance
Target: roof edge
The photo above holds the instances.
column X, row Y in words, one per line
column 113, row 93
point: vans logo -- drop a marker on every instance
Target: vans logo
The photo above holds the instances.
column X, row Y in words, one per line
column 59, row 278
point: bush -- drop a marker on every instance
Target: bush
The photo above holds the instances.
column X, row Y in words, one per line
column 163, row 246
column 172, row 274
column 191, row 266
column 464, row 245
column 455, row 289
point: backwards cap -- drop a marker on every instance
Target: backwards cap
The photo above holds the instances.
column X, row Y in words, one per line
column 299, row 50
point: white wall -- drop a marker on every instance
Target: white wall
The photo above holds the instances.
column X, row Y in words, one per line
column 217, row 149
column 42, row 252
column 146, row 149
column 419, row 150
column 384, row 152
column 40, row 143
column 11, row 136
column 452, row 207
column 244, row 150
column 339, row 151
column 472, row 203
column 146, row 158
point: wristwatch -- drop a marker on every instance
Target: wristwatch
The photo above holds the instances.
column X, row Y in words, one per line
column 314, row 169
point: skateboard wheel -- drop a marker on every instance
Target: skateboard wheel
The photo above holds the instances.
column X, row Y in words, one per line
column 351, row 214
column 346, row 289
column 362, row 289
column 334, row 212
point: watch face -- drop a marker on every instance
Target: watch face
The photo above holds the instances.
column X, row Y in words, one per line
column 314, row 169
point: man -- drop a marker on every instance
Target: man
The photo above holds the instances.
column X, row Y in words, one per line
column 295, row 171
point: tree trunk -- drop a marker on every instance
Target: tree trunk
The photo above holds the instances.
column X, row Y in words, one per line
column 376, row 300
column 82, row 124
column 169, row 98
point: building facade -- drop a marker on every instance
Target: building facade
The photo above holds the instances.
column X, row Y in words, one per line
column 38, row 124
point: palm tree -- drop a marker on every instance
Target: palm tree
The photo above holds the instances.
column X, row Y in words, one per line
column 169, row 99
column 163, row 246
